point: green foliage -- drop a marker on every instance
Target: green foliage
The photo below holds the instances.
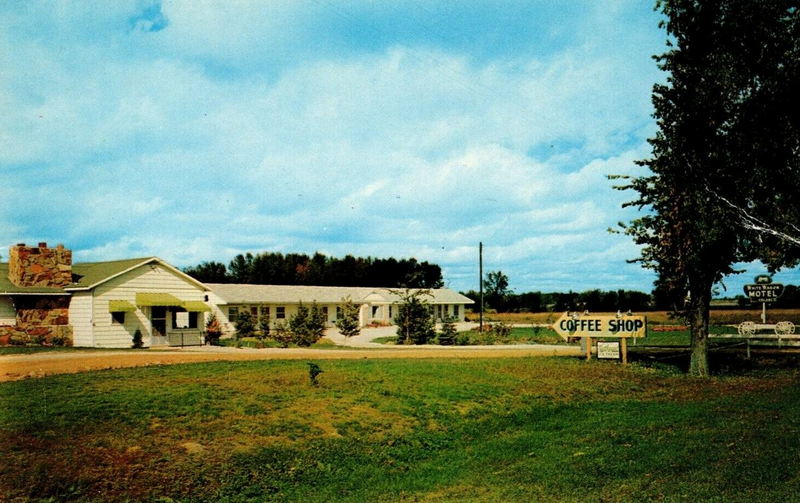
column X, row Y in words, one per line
column 313, row 373
column 274, row 268
column 447, row 334
column 281, row 334
column 245, row 326
column 209, row 272
column 414, row 319
column 496, row 291
column 723, row 184
column 307, row 325
column 348, row 323
column 138, row 343
column 263, row 327
column 213, row 330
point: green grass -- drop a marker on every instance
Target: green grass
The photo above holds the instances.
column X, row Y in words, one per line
column 516, row 429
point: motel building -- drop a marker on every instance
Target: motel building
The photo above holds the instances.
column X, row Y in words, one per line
column 44, row 297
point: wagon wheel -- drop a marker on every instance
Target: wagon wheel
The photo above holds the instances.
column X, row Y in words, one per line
column 747, row 328
column 784, row 328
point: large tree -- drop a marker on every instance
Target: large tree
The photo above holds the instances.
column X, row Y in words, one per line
column 724, row 164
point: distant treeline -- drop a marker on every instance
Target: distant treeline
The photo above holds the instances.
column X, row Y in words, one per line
column 271, row 268
column 592, row 300
column 609, row 301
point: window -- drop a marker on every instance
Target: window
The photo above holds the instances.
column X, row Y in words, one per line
column 183, row 319
column 339, row 314
column 265, row 312
column 439, row 311
column 325, row 312
column 280, row 312
column 254, row 312
column 233, row 313
column 118, row 317
column 455, row 311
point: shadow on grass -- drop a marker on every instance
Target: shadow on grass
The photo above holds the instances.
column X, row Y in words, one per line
column 725, row 361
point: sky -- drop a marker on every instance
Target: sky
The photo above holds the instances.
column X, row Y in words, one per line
column 197, row 130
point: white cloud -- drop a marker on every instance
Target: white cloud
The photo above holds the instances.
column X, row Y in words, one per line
column 410, row 150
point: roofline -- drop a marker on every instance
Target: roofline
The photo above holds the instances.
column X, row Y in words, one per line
column 143, row 262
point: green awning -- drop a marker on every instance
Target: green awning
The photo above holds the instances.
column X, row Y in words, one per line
column 157, row 299
column 196, row 306
column 120, row 306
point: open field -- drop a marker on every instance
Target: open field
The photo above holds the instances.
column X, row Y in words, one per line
column 718, row 317
column 505, row 429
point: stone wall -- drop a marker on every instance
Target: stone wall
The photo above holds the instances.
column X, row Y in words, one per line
column 52, row 335
column 39, row 266
column 41, row 311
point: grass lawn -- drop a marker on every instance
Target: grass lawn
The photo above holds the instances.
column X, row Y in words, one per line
column 511, row 429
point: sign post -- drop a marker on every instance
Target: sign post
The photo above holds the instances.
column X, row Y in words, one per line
column 764, row 291
column 604, row 325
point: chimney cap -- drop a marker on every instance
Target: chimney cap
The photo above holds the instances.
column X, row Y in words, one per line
column 42, row 244
column 20, row 244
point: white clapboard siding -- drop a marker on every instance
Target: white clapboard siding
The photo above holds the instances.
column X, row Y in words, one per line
column 80, row 317
column 7, row 314
column 151, row 277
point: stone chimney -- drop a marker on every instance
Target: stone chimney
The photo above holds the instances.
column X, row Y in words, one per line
column 39, row 266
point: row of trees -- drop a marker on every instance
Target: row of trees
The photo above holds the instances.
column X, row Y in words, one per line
column 272, row 268
column 304, row 328
column 498, row 296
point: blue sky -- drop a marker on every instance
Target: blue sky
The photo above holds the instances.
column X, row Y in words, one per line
column 199, row 130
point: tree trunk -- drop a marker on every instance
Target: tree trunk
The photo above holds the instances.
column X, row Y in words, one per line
column 697, row 316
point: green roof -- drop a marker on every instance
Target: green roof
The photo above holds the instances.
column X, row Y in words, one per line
column 7, row 287
column 86, row 274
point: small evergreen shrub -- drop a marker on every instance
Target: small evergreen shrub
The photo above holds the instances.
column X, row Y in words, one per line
column 447, row 335
column 138, row 342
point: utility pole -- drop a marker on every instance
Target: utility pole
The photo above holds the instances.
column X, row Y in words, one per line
column 480, row 273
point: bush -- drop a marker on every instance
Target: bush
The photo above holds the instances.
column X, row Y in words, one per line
column 348, row 323
column 138, row 343
column 244, row 325
column 447, row 334
column 501, row 331
column 263, row 327
column 415, row 324
column 307, row 325
column 281, row 335
column 213, row 331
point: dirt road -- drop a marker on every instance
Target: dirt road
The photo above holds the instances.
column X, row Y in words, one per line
column 14, row 367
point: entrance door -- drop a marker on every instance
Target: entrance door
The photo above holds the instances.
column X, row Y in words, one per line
column 158, row 322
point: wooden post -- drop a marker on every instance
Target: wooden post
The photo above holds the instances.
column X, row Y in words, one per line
column 588, row 349
column 624, row 348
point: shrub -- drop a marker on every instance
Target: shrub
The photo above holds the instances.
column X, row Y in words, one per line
column 281, row 334
column 313, row 372
column 501, row 331
column 348, row 323
column 415, row 324
column 213, row 331
column 138, row 343
column 307, row 325
column 263, row 327
column 244, row 325
column 447, row 334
